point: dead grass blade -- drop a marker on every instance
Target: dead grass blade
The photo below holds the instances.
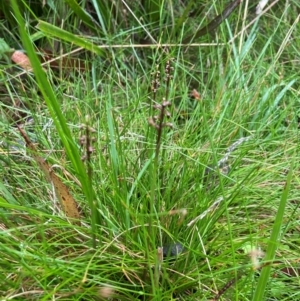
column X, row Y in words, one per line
column 67, row 202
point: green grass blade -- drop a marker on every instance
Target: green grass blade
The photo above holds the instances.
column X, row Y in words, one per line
column 7, row 195
column 103, row 12
column 56, row 32
column 56, row 114
column 273, row 242
column 82, row 14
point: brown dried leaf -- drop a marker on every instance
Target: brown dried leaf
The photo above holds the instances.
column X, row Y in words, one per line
column 195, row 94
column 291, row 271
column 68, row 204
column 22, row 60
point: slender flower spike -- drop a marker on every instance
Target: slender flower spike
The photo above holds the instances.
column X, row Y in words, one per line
column 152, row 123
column 157, row 106
column 166, row 103
column 168, row 124
column 157, row 122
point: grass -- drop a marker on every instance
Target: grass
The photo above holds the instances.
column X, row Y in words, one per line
column 143, row 185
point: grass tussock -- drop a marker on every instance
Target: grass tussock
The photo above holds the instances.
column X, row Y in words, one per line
column 180, row 161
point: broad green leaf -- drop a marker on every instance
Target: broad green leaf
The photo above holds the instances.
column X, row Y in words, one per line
column 56, row 32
